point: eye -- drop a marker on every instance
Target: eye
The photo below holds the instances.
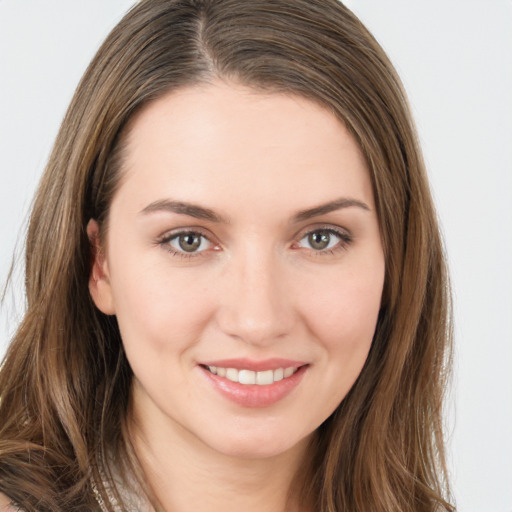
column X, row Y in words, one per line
column 324, row 240
column 187, row 243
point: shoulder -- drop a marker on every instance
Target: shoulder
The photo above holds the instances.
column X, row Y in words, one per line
column 5, row 504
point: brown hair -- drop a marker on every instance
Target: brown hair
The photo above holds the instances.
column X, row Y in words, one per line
column 65, row 381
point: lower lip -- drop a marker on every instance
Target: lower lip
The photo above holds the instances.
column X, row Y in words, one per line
column 253, row 395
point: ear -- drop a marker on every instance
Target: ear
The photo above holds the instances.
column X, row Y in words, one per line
column 99, row 279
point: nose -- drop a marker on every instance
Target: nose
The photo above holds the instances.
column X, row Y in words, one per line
column 257, row 303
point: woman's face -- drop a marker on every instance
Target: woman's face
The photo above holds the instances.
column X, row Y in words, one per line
column 244, row 264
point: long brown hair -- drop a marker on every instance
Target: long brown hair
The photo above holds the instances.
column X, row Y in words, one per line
column 65, row 381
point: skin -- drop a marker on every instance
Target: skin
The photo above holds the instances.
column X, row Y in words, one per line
column 4, row 503
column 257, row 288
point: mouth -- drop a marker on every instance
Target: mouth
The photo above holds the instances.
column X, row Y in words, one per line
column 254, row 385
column 251, row 377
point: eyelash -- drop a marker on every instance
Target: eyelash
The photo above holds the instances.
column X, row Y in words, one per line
column 345, row 239
column 167, row 238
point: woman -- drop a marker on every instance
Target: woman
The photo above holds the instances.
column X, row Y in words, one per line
column 237, row 296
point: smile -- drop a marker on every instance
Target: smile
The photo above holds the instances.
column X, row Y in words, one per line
column 254, row 383
column 248, row 377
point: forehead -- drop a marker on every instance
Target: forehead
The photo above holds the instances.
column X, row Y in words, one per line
column 218, row 140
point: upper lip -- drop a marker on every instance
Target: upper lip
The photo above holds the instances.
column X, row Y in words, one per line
column 254, row 365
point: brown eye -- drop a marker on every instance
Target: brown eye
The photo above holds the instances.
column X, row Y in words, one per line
column 319, row 240
column 325, row 240
column 189, row 242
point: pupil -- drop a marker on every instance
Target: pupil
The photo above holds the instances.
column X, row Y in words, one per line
column 189, row 243
column 319, row 239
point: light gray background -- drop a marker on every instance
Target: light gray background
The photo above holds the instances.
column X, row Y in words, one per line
column 455, row 58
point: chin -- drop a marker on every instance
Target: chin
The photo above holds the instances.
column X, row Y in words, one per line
column 261, row 443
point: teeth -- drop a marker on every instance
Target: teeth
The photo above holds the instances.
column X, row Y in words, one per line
column 247, row 377
column 232, row 374
column 288, row 372
column 263, row 378
column 278, row 374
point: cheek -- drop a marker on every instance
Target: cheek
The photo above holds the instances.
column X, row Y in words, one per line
column 158, row 309
column 343, row 311
column 340, row 310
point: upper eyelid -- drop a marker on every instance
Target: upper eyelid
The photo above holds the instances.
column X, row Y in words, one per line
column 207, row 234
column 173, row 233
column 327, row 227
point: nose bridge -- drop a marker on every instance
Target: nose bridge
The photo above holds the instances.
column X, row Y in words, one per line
column 257, row 306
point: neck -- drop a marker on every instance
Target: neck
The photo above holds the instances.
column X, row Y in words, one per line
column 184, row 474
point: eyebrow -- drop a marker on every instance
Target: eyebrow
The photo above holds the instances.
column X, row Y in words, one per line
column 329, row 207
column 180, row 207
column 199, row 212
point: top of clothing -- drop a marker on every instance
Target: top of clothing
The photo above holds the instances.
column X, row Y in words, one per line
column 134, row 499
